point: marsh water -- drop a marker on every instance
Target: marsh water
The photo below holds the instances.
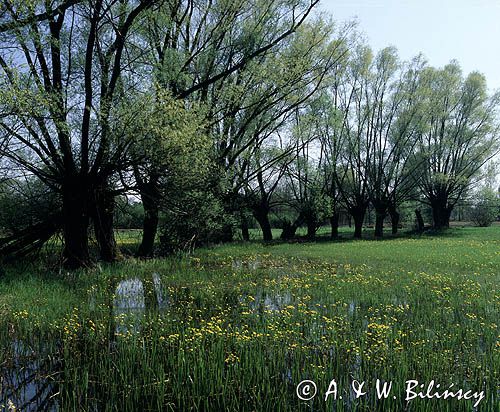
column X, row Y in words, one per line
column 27, row 379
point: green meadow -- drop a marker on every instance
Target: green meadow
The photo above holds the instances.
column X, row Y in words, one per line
column 237, row 327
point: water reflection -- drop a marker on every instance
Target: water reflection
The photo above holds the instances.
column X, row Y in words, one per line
column 129, row 296
column 269, row 301
column 161, row 294
column 29, row 376
column 134, row 296
column 352, row 308
column 252, row 264
column 27, row 380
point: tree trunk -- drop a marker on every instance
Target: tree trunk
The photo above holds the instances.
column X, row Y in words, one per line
column 394, row 219
column 261, row 214
column 420, row 221
column 75, row 225
column 149, row 229
column 103, row 214
column 334, row 223
column 30, row 239
column 311, row 222
column 311, row 228
column 380, row 214
column 358, row 214
column 441, row 212
column 150, row 201
column 245, row 233
column 358, row 226
column 226, row 234
column 289, row 229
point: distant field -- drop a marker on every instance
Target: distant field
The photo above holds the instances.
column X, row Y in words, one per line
column 238, row 326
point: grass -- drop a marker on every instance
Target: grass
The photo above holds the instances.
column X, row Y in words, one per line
column 240, row 325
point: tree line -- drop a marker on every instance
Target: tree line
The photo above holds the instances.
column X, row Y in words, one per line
column 212, row 112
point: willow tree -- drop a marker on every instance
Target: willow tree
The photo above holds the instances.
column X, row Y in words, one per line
column 254, row 142
column 67, row 66
column 355, row 101
column 395, row 121
column 174, row 158
column 304, row 179
column 371, row 132
column 62, row 67
column 460, row 134
column 329, row 122
column 213, row 53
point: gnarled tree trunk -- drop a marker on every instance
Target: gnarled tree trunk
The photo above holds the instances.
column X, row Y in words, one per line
column 441, row 212
column 245, row 233
column 334, row 223
column 289, row 229
column 150, row 197
column 312, row 224
column 30, row 239
column 379, row 222
column 358, row 215
column 420, row 221
column 358, row 226
column 149, row 230
column 380, row 215
column 261, row 214
column 395, row 216
column 103, row 217
column 75, row 216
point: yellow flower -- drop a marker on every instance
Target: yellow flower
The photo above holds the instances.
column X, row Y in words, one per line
column 232, row 359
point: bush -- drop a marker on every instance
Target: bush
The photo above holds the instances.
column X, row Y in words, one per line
column 485, row 208
column 196, row 219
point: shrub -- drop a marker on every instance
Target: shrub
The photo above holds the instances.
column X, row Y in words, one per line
column 197, row 218
column 485, row 208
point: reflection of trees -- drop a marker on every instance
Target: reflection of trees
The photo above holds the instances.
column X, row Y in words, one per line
column 30, row 379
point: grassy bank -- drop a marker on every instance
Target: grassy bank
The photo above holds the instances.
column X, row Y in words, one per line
column 237, row 327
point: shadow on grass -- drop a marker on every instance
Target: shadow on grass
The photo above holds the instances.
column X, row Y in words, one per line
column 367, row 235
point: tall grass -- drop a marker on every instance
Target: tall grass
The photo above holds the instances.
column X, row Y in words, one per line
column 243, row 324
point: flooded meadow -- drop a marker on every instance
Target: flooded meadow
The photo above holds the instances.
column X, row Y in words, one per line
column 239, row 328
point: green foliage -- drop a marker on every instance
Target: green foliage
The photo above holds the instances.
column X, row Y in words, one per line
column 194, row 217
column 486, row 207
column 459, row 131
column 170, row 138
column 176, row 149
column 128, row 214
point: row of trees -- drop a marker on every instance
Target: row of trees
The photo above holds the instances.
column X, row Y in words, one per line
column 208, row 111
column 382, row 132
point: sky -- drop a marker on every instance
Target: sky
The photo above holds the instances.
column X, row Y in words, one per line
column 465, row 30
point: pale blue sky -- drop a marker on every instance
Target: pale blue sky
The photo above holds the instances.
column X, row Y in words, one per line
column 465, row 30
